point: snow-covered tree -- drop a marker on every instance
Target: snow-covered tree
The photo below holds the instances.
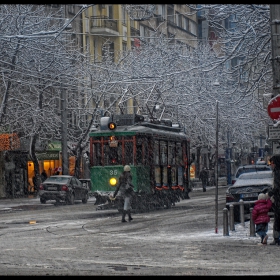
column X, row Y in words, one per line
column 35, row 60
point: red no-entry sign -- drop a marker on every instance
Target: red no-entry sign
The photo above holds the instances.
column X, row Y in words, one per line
column 273, row 107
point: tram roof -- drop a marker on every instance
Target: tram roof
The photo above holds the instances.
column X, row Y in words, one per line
column 143, row 128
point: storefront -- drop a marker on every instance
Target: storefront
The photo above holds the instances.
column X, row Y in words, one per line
column 50, row 161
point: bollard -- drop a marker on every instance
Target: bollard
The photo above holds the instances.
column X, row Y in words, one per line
column 252, row 224
column 242, row 212
column 225, row 217
column 231, row 217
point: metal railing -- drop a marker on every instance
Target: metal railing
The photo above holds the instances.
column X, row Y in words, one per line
column 103, row 22
column 241, row 204
column 230, row 224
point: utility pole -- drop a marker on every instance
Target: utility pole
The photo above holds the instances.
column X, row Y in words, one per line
column 228, row 159
column 275, row 46
column 65, row 160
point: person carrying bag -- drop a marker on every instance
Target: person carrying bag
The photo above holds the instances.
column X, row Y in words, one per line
column 125, row 188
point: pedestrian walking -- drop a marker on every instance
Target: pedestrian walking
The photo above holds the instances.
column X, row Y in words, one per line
column 203, row 176
column 125, row 189
column 56, row 171
column 260, row 216
column 44, row 176
column 274, row 195
column 30, row 187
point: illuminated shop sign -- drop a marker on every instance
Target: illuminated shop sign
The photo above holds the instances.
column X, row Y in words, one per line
column 54, row 146
column 47, row 156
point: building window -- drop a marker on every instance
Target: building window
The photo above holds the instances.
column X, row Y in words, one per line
column 125, row 35
column 108, row 49
column 185, row 23
column 123, row 14
column 142, row 30
column 71, row 9
column 170, row 13
column 178, row 19
column 162, row 11
column 146, row 33
column 110, row 12
column 193, row 27
column 124, row 46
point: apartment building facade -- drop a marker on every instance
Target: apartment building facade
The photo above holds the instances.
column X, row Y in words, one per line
column 111, row 26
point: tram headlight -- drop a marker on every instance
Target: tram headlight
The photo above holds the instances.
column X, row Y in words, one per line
column 113, row 181
column 112, row 126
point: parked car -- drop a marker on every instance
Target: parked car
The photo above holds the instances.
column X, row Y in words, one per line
column 63, row 188
column 249, row 168
column 247, row 187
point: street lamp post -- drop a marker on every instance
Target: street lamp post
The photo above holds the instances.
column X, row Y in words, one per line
column 228, row 160
column 216, row 83
column 217, row 148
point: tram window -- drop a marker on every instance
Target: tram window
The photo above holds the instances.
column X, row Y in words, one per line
column 142, row 151
column 163, row 152
column 97, row 154
column 179, row 154
column 145, row 152
column 171, row 153
column 139, row 151
column 106, row 155
column 139, row 154
column 114, row 156
column 156, row 152
column 128, row 153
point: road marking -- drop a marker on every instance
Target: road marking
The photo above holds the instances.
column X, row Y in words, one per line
column 71, row 248
column 15, row 249
column 111, row 247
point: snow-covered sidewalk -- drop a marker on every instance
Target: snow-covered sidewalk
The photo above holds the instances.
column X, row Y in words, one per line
column 240, row 233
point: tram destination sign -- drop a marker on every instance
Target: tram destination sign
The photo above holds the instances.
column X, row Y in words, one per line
column 274, row 132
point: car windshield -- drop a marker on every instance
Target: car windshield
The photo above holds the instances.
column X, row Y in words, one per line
column 57, row 179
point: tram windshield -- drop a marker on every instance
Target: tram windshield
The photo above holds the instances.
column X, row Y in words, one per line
column 107, row 152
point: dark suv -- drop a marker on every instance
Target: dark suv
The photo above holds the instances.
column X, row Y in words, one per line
column 63, row 188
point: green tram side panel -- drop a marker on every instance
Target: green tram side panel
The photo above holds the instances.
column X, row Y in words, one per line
column 100, row 177
column 112, row 132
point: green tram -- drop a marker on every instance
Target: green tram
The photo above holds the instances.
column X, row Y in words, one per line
column 157, row 153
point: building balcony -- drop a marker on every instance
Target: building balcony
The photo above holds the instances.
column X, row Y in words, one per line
column 103, row 25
